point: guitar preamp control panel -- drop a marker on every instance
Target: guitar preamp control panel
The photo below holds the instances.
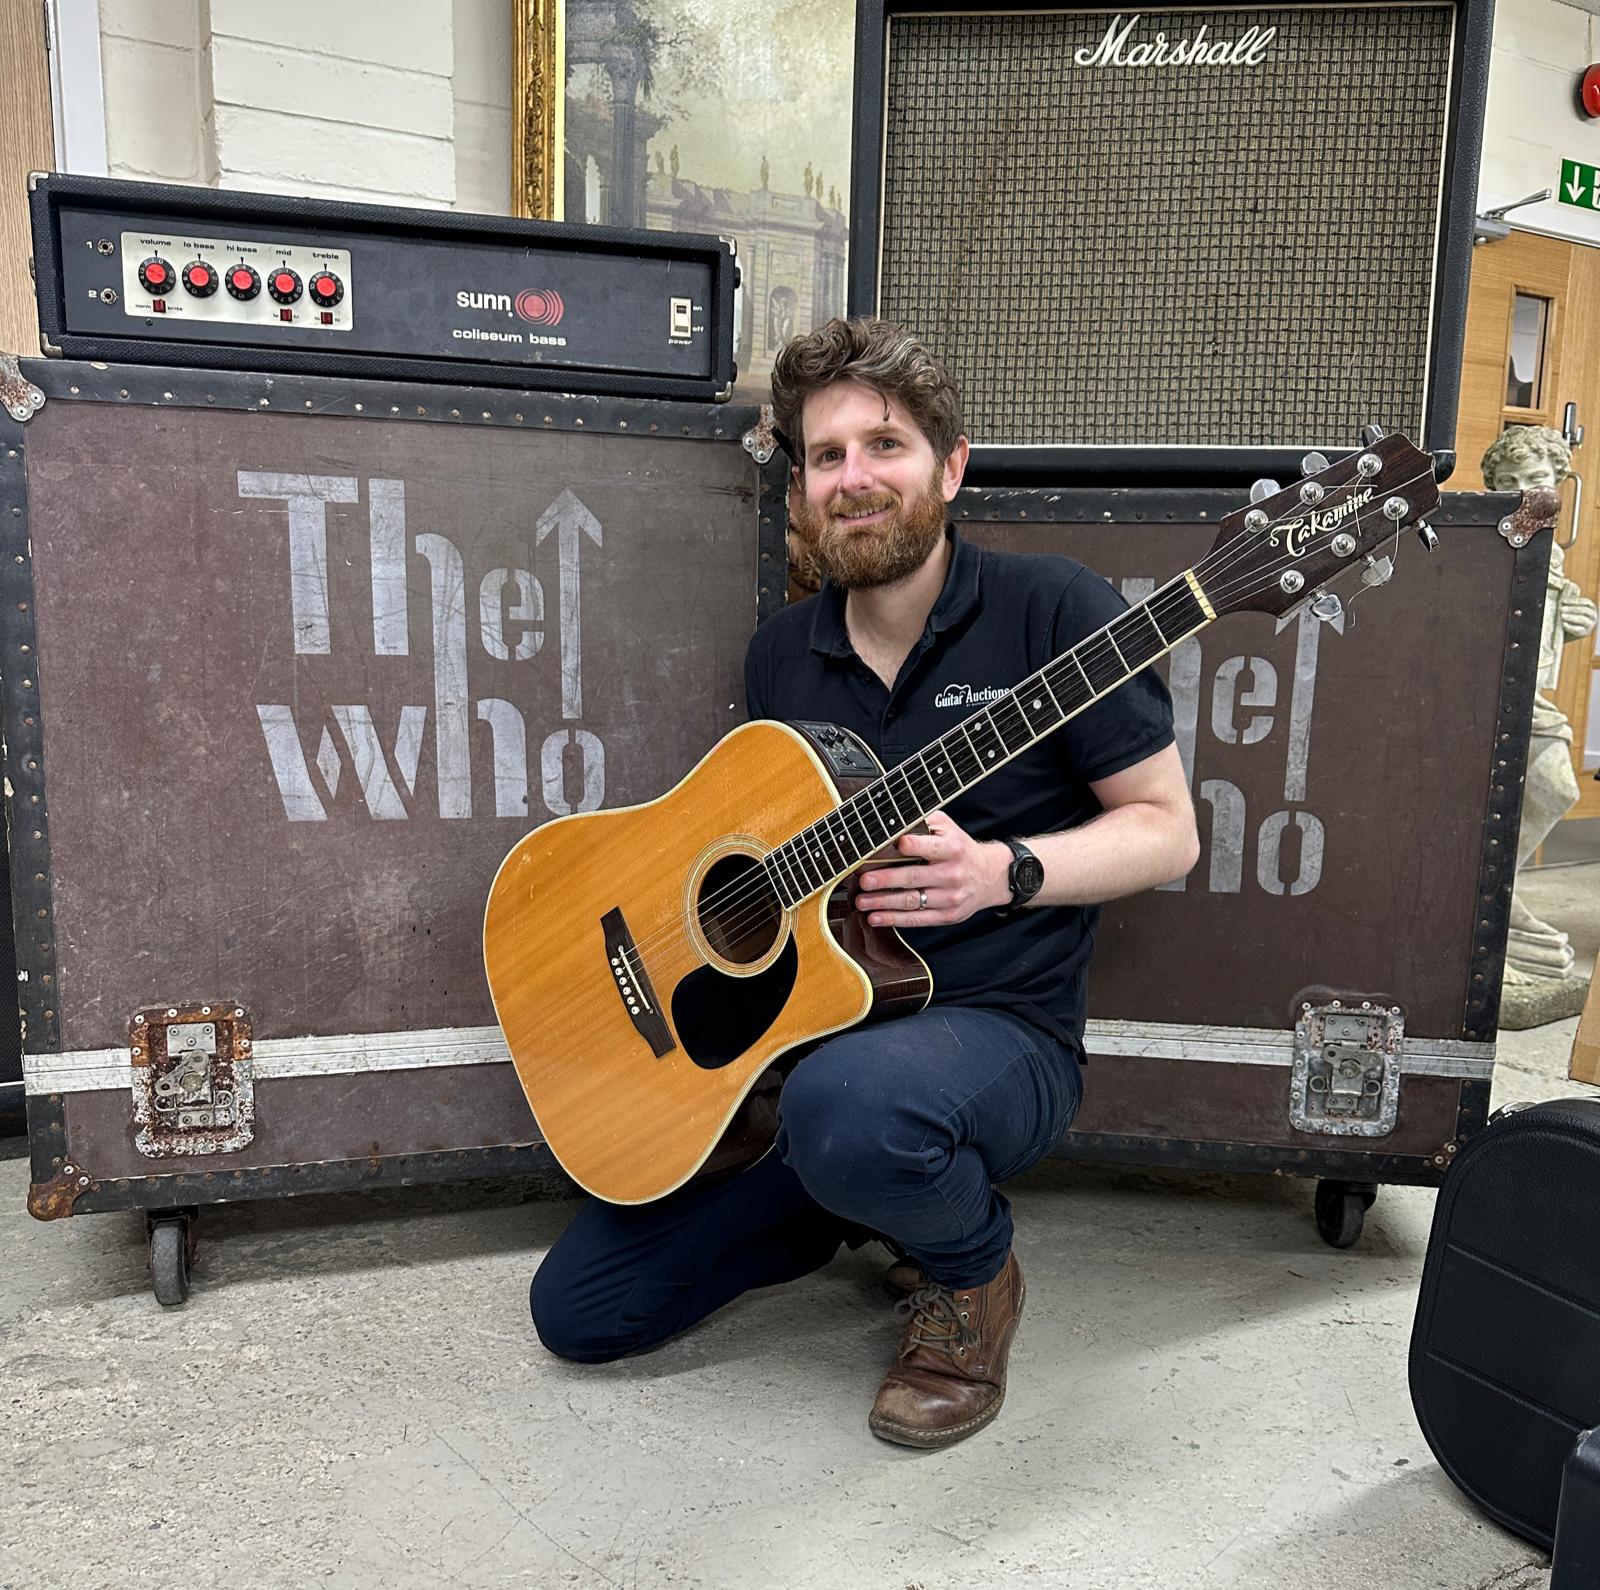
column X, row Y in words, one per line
column 234, row 281
column 193, row 276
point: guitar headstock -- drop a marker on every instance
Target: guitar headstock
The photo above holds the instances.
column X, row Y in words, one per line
column 1273, row 555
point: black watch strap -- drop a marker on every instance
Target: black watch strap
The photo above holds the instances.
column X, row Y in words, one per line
column 1026, row 875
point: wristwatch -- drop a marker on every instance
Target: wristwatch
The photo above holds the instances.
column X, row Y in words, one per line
column 1026, row 876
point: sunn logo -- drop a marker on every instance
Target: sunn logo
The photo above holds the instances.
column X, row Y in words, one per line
column 540, row 309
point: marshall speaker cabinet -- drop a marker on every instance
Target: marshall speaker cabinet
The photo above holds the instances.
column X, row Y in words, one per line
column 1158, row 241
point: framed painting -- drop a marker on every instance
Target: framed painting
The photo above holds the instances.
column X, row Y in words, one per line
column 698, row 116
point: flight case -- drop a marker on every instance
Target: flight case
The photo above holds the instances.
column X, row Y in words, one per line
column 291, row 662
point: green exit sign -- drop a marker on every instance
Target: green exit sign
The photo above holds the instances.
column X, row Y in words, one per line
column 1580, row 185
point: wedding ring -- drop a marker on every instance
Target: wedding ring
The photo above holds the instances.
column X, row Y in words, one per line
column 922, row 899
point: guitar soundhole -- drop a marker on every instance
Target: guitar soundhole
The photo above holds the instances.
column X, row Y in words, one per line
column 738, row 911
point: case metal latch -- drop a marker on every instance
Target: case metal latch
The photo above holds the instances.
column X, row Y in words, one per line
column 1346, row 1078
column 193, row 1079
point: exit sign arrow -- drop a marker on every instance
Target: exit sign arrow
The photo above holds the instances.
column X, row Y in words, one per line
column 1580, row 185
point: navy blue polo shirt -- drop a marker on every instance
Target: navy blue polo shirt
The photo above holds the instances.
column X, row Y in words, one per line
column 1000, row 617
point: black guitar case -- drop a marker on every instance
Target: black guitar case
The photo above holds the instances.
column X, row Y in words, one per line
column 1505, row 1351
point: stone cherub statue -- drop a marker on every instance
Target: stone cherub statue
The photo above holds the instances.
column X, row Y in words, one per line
column 1539, row 982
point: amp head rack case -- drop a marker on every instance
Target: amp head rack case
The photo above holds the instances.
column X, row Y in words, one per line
column 154, row 274
column 291, row 664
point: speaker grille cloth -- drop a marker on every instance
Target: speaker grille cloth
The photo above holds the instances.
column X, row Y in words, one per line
column 1180, row 255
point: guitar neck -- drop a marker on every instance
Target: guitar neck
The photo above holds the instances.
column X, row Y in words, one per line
column 834, row 846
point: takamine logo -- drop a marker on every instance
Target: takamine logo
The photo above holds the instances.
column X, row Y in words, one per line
column 1298, row 534
column 1113, row 50
column 967, row 696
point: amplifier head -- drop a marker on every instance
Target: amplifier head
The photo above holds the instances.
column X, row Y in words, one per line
column 149, row 273
column 1160, row 241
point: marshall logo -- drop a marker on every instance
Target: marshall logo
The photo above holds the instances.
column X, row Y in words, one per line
column 967, row 696
column 1298, row 534
column 1113, row 50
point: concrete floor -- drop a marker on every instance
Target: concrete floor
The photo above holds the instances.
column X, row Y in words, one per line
column 1202, row 1395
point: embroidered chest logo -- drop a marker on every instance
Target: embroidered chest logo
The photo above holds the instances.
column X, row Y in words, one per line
column 969, row 695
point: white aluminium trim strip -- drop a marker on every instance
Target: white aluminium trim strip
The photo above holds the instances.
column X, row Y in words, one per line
column 84, row 1070
column 90, row 1070
column 1266, row 1046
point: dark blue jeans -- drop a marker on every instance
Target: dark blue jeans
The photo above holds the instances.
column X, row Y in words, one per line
column 900, row 1130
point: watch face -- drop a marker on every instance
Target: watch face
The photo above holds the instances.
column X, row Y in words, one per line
column 1029, row 875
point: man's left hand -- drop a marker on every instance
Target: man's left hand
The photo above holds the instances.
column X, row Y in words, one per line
column 950, row 877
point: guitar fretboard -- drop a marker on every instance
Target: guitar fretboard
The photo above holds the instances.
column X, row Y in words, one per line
column 836, row 844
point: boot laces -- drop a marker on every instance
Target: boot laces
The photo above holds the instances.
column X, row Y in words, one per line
column 936, row 1321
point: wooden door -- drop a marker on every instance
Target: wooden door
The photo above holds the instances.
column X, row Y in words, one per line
column 26, row 144
column 1533, row 324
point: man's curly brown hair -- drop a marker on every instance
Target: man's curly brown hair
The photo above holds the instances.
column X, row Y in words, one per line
column 875, row 353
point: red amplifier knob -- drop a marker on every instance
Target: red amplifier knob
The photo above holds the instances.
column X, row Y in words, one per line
column 284, row 285
column 200, row 278
column 243, row 281
column 326, row 289
column 157, row 277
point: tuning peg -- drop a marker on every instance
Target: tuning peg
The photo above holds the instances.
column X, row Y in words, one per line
column 1426, row 535
column 1326, row 606
column 1377, row 571
column 1371, row 435
column 1313, row 463
column 1263, row 489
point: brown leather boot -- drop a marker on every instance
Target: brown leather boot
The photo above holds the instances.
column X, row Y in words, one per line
column 903, row 1277
column 950, row 1378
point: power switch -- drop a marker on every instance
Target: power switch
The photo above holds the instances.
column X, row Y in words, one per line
column 682, row 318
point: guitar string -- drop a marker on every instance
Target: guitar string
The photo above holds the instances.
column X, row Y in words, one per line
column 1232, row 593
column 758, row 892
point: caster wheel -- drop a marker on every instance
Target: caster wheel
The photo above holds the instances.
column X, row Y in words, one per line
column 169, row 1261
column 1341, row 1210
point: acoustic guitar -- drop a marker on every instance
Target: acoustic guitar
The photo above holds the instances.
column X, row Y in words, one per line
column 648, row 965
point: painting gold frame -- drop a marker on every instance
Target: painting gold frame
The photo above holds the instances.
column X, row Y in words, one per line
column 537, row 90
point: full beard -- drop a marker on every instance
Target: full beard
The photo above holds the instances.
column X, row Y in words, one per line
column 861, row 559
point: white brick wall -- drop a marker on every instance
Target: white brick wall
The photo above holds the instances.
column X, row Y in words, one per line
column 156, row 107
column 362, row 102
column 389, row 103
column 483, row 105
column 1541, row 48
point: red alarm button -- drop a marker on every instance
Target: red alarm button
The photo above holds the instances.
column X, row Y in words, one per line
column 1591, row 91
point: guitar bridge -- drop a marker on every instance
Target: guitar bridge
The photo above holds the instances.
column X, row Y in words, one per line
column 633, row 984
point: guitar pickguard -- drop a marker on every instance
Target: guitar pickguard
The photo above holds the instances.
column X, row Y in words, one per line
column 719, row 1018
